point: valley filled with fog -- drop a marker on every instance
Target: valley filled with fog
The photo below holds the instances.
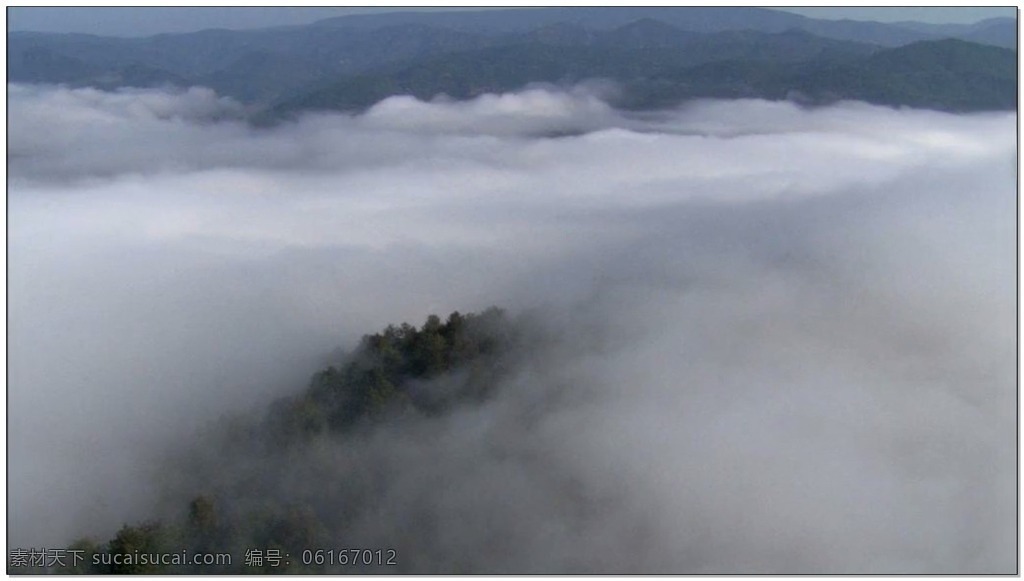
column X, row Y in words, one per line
column 783, row 339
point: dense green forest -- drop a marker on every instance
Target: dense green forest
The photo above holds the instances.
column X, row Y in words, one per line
column 400, row 372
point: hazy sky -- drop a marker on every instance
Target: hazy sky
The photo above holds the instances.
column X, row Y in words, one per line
column 931, row 14
column 132, row 21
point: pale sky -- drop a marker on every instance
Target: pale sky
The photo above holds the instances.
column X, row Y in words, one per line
column 932, row 14
column 138, row 21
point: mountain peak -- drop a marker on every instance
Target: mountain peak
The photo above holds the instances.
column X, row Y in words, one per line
column 648, row 32
column 561, row 33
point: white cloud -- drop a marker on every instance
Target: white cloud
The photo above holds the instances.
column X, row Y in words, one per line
column 793, row 340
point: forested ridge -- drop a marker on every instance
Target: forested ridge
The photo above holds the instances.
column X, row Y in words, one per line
column 659, row 57
column 400, row 372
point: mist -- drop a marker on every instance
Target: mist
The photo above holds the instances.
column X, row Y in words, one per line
column 778, row 339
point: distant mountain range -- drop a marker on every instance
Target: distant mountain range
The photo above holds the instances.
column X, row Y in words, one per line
column 659, row 56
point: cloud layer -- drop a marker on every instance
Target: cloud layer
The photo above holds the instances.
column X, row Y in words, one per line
column 787, row 335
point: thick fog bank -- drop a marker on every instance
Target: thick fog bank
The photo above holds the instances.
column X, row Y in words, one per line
column 786, row 337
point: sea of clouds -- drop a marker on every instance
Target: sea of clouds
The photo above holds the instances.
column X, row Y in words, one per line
column 788, row 335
